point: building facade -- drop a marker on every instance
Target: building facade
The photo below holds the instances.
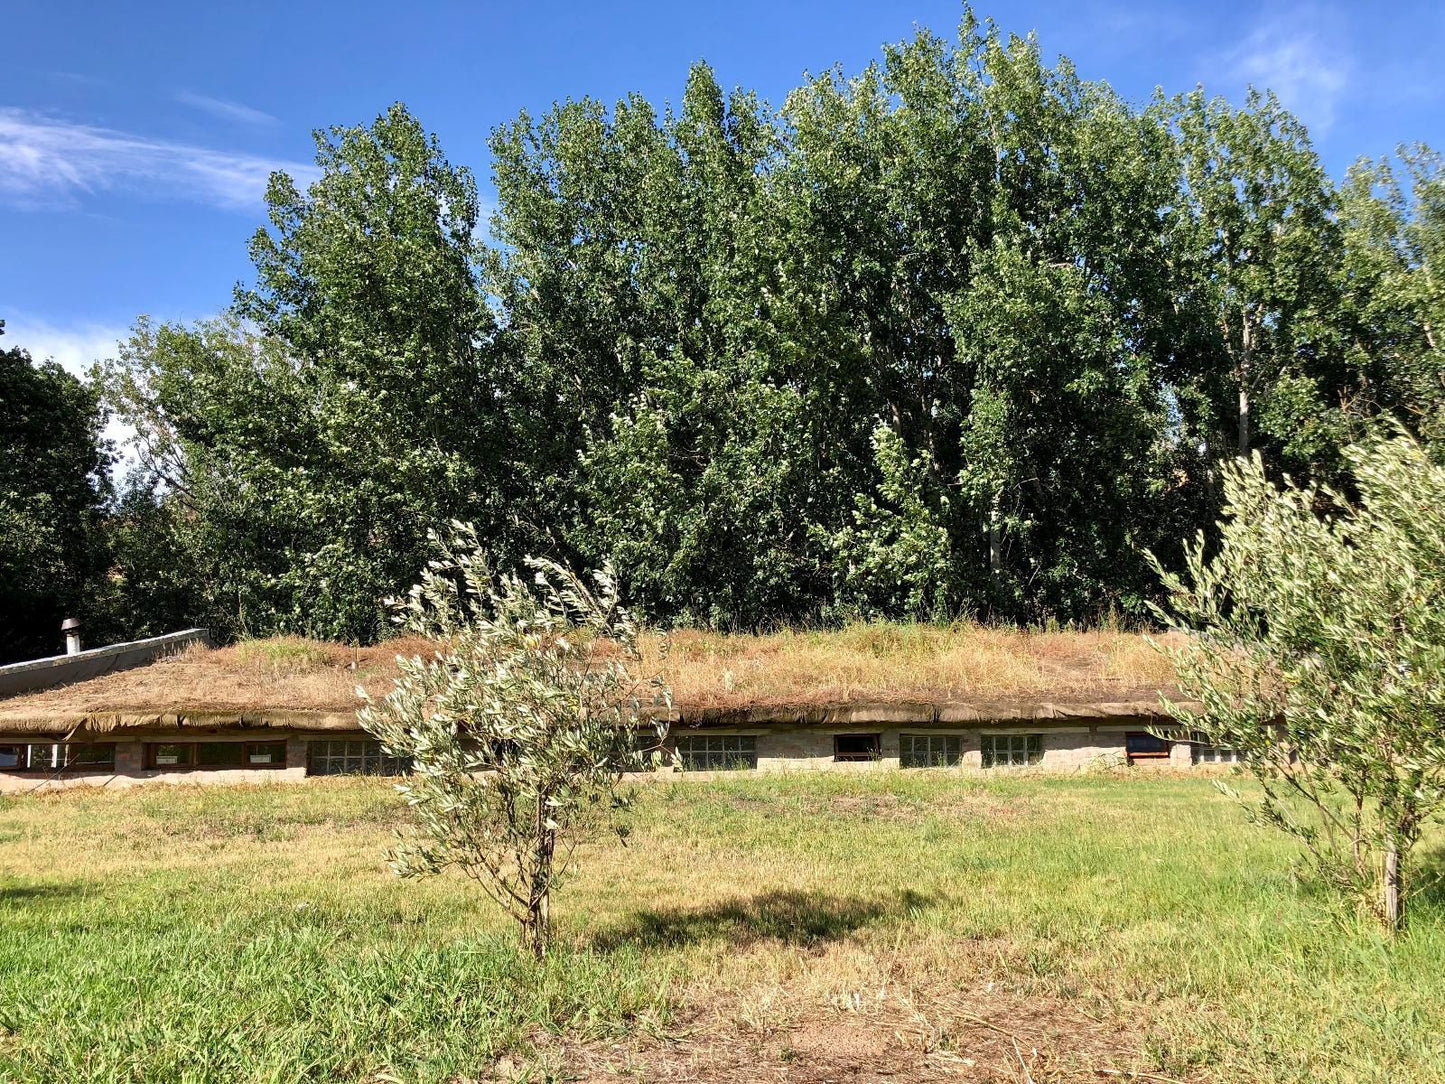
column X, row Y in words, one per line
column 115, row 752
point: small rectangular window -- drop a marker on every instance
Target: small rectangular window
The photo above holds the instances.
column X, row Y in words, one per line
column 220, row 754
column 857, row 747
column 57, row 756
column 929, row 750
column 169, row 755
column 269, row 754
column 44, row 757
column 1201, row 752
column 1012, row 750
column 90, row 755
column 352, row 756
column 717, row 752
column 216, row 754
column 1141, row 745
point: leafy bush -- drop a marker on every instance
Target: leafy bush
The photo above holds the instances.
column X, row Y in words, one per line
column 1317, row 651
column 518, row 728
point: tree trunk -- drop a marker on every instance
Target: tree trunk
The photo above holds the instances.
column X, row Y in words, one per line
column 537, row 930
column 1243, row 421
column 995, row 544
column 1246, row 351
column 1394, row 883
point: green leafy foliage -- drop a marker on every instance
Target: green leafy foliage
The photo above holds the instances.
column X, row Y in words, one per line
column 518, row 728
column 346, row 409
column 963, row 333
column 1317, row 651
column 54, row 480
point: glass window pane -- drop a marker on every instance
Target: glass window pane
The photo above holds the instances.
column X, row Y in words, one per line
column 42, row 756
column 717, row 752
column 350, row 757
column 929, row 750
column 91, row 755
column 169, row 756
column 12, row 756
column 1142, row 743
column 220, row 754
column 1015, row 750
column 266, row 754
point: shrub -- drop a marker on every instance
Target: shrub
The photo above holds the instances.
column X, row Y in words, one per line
column 519, row 726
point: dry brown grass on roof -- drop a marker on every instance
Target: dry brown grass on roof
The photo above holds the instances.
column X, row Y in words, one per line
column 880, row 662
column 285, row 672
column 883, row 662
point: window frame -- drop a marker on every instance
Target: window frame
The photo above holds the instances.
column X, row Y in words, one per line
column 71, row 765
column 372, row 759
column 1201, row 752
column 1029, row 746
column 1147, row 754
column 872, row 754
column 908, row 756
column 721, row 759
column 193, row 761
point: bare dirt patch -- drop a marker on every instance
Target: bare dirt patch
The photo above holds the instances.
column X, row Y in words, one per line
column 892, row 1034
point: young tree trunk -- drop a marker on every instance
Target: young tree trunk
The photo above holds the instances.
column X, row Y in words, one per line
column 1394, row 883
column 537, row 926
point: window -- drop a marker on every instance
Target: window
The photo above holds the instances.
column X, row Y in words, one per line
column 270, row 754
column 929, row 750
column 1015, row 750
column 352, row 756
column 853, row 747
column 632, row 749
column 717, row 752
column 1141, row 745
column 216, row 754
column 1201, row 752
column 169, row 756
column 57, row 757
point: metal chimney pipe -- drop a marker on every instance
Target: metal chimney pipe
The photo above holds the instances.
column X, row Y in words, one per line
column 71, row 627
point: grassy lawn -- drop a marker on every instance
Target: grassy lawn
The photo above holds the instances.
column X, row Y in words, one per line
column 803, row 928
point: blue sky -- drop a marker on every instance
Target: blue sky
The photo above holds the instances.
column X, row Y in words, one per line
column 135, row 139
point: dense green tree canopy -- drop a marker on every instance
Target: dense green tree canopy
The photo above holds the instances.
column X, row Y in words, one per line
column 54, row 477
column 961, row 334
column 345, row 409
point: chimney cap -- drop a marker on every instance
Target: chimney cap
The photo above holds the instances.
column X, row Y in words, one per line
column 70, row 624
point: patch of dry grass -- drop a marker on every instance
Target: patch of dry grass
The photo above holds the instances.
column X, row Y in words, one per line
column 875, row 662
column 882, row 662
column 286, row 672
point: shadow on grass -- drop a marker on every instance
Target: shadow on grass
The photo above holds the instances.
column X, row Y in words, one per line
column 795, row 918
column 17, row 894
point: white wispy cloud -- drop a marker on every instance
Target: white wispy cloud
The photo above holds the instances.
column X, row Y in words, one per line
column 46, row 161
column 225, row 109
column 76, row 347
column 1300, row 55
